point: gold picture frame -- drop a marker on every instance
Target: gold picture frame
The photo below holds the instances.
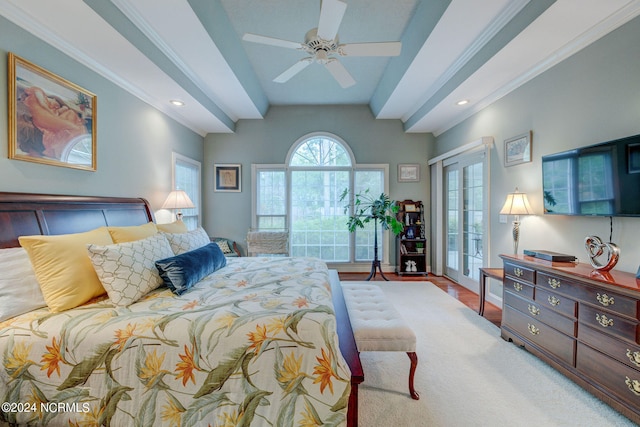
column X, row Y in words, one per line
column 51, row 120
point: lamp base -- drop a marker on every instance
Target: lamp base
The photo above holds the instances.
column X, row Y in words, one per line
column 516, row 236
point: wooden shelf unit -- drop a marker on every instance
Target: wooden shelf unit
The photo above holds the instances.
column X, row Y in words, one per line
column 408, row 242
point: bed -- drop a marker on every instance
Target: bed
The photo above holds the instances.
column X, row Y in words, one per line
column 262, row 341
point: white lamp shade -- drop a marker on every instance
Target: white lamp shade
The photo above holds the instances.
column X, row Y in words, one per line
column 178, row 199
column 516, row 204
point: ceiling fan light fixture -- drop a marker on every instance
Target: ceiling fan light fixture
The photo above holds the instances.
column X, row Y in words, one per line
column 323, row 45
column 322, row 57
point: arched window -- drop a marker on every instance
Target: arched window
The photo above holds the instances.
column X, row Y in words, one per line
column 320, row 151
column 318, row 168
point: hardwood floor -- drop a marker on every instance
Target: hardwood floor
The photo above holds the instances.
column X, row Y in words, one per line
column 491, row 312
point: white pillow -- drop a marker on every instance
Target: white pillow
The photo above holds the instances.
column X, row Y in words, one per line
column 19, row 289
column 128, row 270
column 185, row 242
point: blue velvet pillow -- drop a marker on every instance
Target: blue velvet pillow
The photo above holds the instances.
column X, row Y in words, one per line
column 183, row 271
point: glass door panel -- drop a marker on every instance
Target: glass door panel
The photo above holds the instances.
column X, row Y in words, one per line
column 452, row 217
column 473, row 220
column 465, row 207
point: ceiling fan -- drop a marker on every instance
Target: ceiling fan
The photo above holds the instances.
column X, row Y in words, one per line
column 323, row 45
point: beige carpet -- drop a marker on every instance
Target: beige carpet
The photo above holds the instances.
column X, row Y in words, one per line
column 467, row 375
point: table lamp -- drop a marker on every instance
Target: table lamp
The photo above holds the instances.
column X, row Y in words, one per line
column 516, row 204
column 178, row 199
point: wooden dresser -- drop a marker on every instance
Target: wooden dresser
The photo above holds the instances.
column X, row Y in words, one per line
column 583, row 322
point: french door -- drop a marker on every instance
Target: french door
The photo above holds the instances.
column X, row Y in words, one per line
column 465, row 207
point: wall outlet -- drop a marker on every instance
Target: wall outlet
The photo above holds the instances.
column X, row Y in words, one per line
column 503, row 219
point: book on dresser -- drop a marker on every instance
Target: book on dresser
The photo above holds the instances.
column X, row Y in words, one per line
column 411, row 243
column 583, row 322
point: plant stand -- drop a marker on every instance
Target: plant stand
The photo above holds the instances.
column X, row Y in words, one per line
column 375, row 264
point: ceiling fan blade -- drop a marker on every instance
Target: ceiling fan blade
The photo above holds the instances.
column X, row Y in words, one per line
column 331, row 13
column 340, row 73
column 293, row 70
column 271, row 41
column 371, row 49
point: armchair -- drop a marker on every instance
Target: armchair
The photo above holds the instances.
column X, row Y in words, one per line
column 228, row 246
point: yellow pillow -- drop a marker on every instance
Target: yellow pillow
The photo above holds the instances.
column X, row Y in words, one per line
column 132, row 233
column 173, row 227
column 63, row 268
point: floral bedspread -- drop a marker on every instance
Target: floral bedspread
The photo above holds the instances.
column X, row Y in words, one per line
column 253, row 344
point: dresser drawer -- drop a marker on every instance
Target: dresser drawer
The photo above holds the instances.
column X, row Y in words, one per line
column 624, row 305
column 608, row 323
column 621, row 380
column 523, row 289
column 560, row 303
column 557, row 284
column 523, row 274
column 620, row 304
column 622, row 351
column 558, row 321
column 554, row 342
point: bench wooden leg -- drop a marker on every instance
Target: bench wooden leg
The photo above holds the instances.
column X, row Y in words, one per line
column 412, row 371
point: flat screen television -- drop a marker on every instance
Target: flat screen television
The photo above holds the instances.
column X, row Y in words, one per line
column 598, row 180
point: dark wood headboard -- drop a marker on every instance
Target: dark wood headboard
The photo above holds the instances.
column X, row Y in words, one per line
column 23, row 214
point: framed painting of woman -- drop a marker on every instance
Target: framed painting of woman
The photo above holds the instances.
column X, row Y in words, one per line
column 51, row 120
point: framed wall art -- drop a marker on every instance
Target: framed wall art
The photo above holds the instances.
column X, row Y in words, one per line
column 227, row 177
column 51, row 120
column 517, row 149
column 408, row 172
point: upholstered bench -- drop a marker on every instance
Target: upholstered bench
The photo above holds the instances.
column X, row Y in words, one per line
column 377, row 325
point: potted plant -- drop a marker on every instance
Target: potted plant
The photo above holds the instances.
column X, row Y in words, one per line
column 382, row 210
column 420, row 247
column 366, row 207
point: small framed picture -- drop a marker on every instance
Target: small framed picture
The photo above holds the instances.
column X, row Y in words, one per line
column 410, row 208
column 408, row 172
column 227, row 177
column 517, row 149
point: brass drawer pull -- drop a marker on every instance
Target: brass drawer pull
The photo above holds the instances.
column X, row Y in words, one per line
column 532, row 329
column 634, row 357
column 534, row 310
column 634, row 386
column 518, row 272
column 604, row 321
column 517, row 286
column 605, row 300
column 553, row 301
column 554, row 283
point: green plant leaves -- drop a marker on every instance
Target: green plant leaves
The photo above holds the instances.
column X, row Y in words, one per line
column 366, row 208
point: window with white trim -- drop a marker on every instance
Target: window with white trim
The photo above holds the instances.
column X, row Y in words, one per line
column 186, row 176
column 303, row 196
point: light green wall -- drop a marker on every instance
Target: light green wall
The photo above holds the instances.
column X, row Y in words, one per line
column 269, row 141
column 135, row 141
column 591, row 97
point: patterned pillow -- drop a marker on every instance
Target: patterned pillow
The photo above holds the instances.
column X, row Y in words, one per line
column 224, row 246
column 19, row 289
column 127, row 270
column 185, row 242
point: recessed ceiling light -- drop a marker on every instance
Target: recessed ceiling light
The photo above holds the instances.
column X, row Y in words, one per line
column 177, row 102
column 463, row 102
